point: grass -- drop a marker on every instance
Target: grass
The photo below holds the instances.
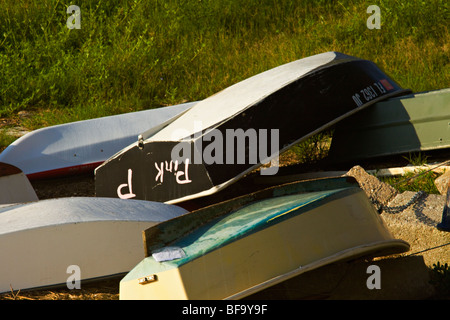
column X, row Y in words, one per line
column 134, row 55
column 413, row 182
column 420, row 180
column 312, row 150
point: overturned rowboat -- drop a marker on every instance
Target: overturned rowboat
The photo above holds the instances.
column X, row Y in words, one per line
column 227, row 135
column 241, row 246
column 400, row 125
column 42, row 243
column 15, row 186
column 81, row 146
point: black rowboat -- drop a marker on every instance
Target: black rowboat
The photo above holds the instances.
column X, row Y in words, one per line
column 227, row 135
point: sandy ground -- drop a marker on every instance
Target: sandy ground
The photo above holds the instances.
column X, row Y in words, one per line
column 417, row 223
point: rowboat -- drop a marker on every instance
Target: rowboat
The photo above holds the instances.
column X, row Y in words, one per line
column 400, row 125
column 81, row 146
column 244, row 245
column 15, row 186
column 40, row 242
column 229, row 134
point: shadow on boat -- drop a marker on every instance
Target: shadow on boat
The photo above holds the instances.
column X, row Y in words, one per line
column 400, row 278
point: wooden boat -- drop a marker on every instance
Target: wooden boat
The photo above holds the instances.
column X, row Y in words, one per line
column 40, row 240
column 197, row 155
column 81, row 146
column 241, row 246
column 400, row 125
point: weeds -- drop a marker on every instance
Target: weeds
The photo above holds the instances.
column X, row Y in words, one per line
column 440, row 278
column 313, row 149
column 421, row 180
column 134, row 55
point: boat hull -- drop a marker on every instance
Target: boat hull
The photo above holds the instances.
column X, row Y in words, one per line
column 40, row 241
column 413, row 123
column 15, row 186
column 278, row 108
column 79, row 147
column 257, row 246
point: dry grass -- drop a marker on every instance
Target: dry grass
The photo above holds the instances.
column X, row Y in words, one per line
column 99, row 290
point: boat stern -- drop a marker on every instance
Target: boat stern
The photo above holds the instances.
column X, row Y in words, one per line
column 150, row 280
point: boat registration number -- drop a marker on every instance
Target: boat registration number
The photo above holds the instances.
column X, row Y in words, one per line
column 371, row 92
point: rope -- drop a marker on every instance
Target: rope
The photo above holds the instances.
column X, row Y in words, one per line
column 428, row 249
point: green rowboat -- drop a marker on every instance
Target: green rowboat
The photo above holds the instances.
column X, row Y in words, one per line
column 411, row 123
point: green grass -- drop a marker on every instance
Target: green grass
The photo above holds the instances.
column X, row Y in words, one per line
column 312, row 150
column 417, row 181
column 134, row 55
column 420, row 180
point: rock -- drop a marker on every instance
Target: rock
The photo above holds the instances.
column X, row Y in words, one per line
column 442, row 182
column 379, row 192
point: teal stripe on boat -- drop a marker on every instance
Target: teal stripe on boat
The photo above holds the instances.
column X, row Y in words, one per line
column 249, row 219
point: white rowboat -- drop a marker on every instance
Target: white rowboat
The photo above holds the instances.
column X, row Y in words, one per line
column 40, row 240
column 15, row 186
column 81, row 146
